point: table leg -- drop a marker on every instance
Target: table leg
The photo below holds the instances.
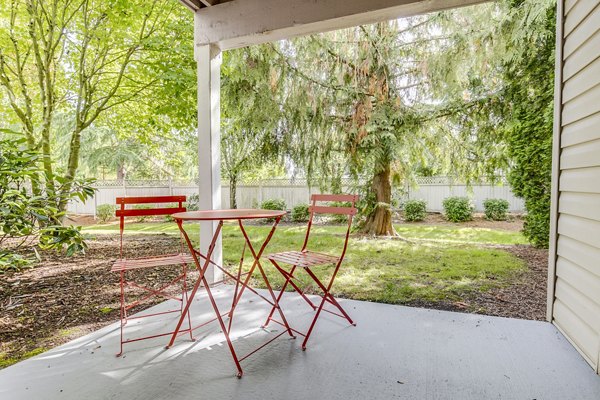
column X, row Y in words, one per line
column 260, row 268
column 200, row 269
column 202, row 279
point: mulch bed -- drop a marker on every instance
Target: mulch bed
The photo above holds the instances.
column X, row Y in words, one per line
column 62, row 299
column 525, row 298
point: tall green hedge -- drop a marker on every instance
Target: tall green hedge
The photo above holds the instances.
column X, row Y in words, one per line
column 530, row 94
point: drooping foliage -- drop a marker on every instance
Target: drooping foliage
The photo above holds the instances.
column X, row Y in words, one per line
column 376, row 102
column 516, row 109
column 250, row 113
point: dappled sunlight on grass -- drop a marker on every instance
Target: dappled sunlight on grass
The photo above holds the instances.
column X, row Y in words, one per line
column 444, row 263
column 460, row 234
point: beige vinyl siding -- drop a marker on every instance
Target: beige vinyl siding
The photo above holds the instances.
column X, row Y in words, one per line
column 576, row 294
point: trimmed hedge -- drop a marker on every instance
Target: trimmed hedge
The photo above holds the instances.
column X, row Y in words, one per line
column 415, row 210
column 273, row 204
column 496, row 209
column 458, row 209
column 300, row 213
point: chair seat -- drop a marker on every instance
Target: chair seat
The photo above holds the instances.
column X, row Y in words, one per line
column 303, row 258
column 148, row 262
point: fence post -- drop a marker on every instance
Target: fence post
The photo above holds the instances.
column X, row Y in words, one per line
column 170, row 186
column 260, row 192
column 95, row 204
column 125, row 186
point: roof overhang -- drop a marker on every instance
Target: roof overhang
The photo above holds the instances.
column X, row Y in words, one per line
column 240, row 23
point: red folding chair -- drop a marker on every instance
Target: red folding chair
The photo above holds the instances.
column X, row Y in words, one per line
column 305, row 259
column 124, row 265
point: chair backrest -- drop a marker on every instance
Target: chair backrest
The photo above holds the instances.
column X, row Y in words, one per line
column 123, row 212
column 314, row 208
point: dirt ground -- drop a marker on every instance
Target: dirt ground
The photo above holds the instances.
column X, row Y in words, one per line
column 513, row 223
column 61, row 299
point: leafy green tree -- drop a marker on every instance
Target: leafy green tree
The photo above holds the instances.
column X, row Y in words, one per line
column 250, row 108
column 530, row 92
column 80, row 55
column 512, row 78
column 27, row 219
column 368, row 98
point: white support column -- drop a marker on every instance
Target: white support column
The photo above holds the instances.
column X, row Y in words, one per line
column 208, row 58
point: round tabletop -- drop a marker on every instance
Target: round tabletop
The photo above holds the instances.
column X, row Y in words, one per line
column 216, row 215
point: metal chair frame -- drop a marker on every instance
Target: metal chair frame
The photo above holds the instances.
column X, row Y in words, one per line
column 305, row 259
column 123, row 265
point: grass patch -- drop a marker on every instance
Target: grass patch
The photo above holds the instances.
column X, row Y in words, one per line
column 446, row 263
column 8, row 361
column 453, row 234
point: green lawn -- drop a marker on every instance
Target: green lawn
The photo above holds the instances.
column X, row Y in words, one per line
column 454, row 234
column 440, row 263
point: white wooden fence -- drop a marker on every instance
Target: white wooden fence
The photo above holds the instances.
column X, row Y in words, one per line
column 431, row 189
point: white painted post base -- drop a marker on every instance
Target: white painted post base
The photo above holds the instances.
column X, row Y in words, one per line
column 208, row 58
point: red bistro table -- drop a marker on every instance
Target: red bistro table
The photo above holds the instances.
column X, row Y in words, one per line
column 239, row 216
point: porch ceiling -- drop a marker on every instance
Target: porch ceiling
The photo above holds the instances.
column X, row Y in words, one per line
column 394, row 352
column 239, row 23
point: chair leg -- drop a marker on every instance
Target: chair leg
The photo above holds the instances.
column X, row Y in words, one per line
column 279, row 296
column 329, row 296
column 184, row 299
column 312, row 325
column 123, row 315
column 288, row 280
column 326, row 295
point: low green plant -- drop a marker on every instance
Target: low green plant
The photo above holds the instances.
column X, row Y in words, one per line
column 13, row 262
column 30, row 217
column 300, row 213
column 339, row 218
column 458, row 209
column 496, row 209
column 105, row 212
column 273, row 204
column 142, row 218
column 415, row 210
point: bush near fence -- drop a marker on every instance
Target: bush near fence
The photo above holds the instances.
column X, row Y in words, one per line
column 250, row 194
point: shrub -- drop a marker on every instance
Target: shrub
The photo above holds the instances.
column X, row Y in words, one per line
column 415, row 210
column 104, row 212
column 300, row 213
column 26, row 214
column 13, row 262
column 458, row 209
column 496, row 209
column 142, row 218
column 340, row 218
column 273, row 204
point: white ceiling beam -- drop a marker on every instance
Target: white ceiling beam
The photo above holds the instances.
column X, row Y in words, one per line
column 209, row 3
column 193, row 5
column 241, row 23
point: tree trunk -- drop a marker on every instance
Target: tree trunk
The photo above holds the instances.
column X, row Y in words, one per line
column 121, row 172
column 233, row 191
column 71, row 168
column 379, row 223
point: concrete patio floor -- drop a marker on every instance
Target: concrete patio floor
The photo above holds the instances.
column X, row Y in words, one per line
column 394, row 353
